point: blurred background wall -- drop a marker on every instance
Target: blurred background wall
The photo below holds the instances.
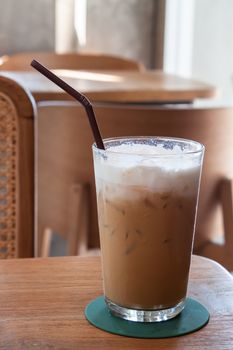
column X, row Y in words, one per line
column 212, row 57
column 26, row 25
column 191, row 38
column 132, row 20
column 126, row 28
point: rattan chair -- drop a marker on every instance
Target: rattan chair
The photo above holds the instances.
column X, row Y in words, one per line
column 66, row 171
column 73, row 60
column 16, row 171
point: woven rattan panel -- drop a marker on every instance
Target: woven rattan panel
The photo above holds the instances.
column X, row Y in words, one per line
column 8, row 166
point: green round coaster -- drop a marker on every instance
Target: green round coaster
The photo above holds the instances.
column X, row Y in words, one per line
column 193, row 317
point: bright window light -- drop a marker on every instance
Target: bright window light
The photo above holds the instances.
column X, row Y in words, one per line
column 80, row 16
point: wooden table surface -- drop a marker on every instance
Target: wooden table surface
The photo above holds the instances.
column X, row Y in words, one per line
column 116, row 86
column 42, row 305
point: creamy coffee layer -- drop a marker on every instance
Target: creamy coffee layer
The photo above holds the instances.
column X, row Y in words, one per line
column 146, row 245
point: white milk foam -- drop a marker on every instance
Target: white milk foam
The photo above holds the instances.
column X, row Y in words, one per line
column 174, row 172
column 144, row 149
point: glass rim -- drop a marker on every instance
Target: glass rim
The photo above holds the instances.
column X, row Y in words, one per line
column 200, row 147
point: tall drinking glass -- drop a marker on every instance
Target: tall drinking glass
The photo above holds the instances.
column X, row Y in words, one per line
column 147, row 191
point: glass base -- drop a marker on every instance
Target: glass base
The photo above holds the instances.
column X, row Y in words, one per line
column 138, row 315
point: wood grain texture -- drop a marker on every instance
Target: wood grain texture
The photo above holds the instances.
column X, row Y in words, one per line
column 116, row 86
column 42, row 304
column 70, row 60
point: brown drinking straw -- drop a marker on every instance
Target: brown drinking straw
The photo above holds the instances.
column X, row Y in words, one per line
column 77, row 95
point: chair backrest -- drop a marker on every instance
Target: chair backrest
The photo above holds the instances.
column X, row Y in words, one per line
column 16, row 170
column 65, row 156
column 81, row 61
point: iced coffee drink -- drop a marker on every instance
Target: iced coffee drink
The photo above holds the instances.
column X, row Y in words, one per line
column 147, row 192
